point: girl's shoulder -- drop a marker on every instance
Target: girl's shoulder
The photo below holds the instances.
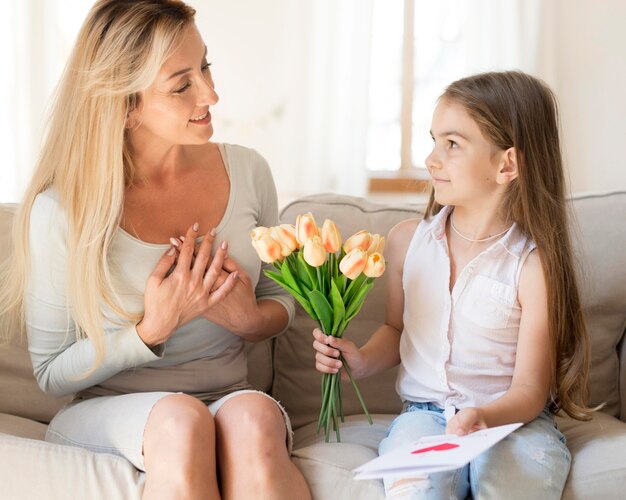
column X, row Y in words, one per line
column 400, row 237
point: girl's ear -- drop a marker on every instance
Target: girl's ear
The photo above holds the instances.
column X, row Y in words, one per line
column 508, row 170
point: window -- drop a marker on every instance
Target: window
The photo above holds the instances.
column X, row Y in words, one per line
column 416, row 50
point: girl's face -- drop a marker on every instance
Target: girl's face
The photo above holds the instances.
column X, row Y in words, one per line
column 175, row 108
column 463, row 163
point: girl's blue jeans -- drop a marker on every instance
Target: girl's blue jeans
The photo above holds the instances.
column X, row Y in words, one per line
column 531, row 462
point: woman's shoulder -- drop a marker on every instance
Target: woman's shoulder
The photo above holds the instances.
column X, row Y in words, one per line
column 243, row 154
column 47, row 206
column 48, row 220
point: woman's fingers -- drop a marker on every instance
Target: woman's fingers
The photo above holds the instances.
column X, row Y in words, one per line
column 203, row 254
column 215, row 268
column 231, row 265
column 220, row 293
column 163, row 266
column 187, row 250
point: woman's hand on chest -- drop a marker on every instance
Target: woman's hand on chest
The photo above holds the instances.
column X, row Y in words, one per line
column 184, row 286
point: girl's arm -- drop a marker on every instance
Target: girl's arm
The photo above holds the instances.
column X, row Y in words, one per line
column 530, row 387
column 382, row 350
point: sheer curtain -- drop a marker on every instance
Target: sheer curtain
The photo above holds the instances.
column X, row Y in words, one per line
column 293, row 80
column 35, row 39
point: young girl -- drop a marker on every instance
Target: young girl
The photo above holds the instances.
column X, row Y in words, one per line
column 483, row 312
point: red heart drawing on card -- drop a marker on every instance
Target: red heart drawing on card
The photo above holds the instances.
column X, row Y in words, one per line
column 439, row 447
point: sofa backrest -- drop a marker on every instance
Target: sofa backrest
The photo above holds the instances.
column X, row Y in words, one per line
column 599, row 244
column 599, row 240
column 19, row 393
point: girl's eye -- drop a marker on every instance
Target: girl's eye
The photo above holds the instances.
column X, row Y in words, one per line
column 452, row 144
column 206, row 66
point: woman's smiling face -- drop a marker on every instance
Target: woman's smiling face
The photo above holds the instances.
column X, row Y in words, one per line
column 175, row 108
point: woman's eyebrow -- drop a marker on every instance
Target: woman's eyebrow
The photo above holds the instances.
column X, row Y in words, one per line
column 185, row 70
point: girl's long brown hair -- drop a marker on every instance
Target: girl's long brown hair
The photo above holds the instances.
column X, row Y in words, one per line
column 514, row 109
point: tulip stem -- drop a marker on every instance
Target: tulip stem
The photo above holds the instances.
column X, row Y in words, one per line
column 356, row 389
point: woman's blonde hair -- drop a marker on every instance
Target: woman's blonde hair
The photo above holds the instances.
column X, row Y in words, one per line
column 118, row 53
column 514, row 109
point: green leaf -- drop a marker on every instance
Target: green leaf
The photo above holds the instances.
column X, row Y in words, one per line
column 353, row 288
column 339, row 310
column 278, row 278
column 289, row 279
column 340, row 283
column 322, row 309
column 306, row 273
column 357, row 302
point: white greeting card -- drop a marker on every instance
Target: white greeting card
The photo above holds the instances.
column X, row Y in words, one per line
column 433, row 454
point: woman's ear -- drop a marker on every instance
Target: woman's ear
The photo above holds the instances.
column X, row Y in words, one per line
column 134, row 115
column 508, row 170
column 132, row 119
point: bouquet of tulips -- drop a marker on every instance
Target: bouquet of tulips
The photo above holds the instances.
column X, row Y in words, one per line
column 329, row 281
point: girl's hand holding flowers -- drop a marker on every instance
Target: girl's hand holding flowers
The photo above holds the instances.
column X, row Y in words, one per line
column 330, row 282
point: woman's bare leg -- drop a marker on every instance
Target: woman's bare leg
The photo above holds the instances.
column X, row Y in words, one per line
column 179, row 450
column 252, row 451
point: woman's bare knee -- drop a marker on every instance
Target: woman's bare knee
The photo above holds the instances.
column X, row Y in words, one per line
column 179, row 421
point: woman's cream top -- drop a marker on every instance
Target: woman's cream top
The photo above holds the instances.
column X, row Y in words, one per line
column 200, row 358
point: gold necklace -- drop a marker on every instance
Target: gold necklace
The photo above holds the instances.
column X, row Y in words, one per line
column 479, row 240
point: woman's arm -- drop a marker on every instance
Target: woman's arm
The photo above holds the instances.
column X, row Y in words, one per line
column 530, row 387
column 58, row 358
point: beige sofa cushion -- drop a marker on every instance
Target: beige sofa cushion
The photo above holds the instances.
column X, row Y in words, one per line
column 599, row 460
column 19, row 393
column 296, row 383
column 37, row 469
column 599, row 239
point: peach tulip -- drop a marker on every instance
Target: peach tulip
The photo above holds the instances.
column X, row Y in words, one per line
column 266, row 247
column 258, row 231
column 306, row 228
column 331, row 237
column 314, row 252
column 285, row 235
column 360, row 240
column 353, row 263
column 377, row 245
column 375, row 265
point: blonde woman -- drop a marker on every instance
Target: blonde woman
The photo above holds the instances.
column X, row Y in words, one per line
column 133, row 271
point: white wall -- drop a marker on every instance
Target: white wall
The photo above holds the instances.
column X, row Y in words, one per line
column 590, row 81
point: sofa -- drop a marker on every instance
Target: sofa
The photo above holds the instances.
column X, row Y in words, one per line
column 284, row 366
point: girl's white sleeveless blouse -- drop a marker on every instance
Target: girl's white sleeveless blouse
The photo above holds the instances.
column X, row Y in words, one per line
column 458, row 349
